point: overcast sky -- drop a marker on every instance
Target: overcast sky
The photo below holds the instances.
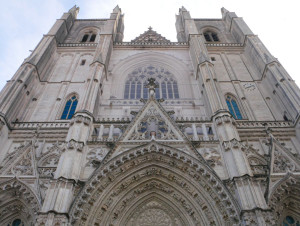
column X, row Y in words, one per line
column 23, row 23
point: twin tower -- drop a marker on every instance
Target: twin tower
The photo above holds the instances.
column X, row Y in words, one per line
column 97, row 131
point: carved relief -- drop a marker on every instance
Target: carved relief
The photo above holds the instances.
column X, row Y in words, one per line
column 283, row 164
column 24, row 166
column 153, row 125
column 212, row 156
column 95, row 156
column 126, row 162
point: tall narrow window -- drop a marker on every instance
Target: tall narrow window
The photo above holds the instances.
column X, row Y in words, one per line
column 132, row 90
column 175, row 88
column 145, row 91
column 127, row 87
column 93, row 37
column 138, row 90
column 164, row 90
column 70, row 108
column 233, row 107
column 211, row 36
column 85, row 38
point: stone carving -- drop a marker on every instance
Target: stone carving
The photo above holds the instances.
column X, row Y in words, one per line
column 24, row 166
column 154, row 217
column 12, row 154
column 111, row 172
column 249, row 86
column 153, row 126
column 21, row 198
column 282, row 163
column 95, row 156
column 212, row 156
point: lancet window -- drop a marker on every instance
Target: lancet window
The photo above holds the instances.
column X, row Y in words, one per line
column 211, row 36
column 233, row 107
column 70, row 108
column 138, row 79
column 88, row 37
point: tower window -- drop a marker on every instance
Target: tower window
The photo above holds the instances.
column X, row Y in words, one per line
column 211, row 36
column 138, row 79
column 93, row 37
column 70, row 108
column 233, row 107
column 89, row 37
column 85, row 38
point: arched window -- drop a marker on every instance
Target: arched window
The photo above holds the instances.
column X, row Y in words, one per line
column 70, row 108
column 85, row 38
column 90, row 37
column 211, row 36
column 233, row 107
column 138, row 79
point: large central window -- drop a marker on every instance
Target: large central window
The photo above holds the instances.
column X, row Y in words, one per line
column 138, row 79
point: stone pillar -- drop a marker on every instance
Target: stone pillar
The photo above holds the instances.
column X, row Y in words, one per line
column 60, row 194
column 195, row 135
column 100, row 136
column 205, row 135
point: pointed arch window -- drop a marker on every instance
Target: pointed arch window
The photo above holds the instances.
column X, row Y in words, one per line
column 138, row 79
column 90, row 37
column 211, row 36
column 70, row 108
column 233, row 107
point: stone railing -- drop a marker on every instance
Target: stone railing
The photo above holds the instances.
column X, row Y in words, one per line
column 77, row 45
column 225, row 44
column 34, row 125
column 162, row 44
column 108, row 131
column 256, row 124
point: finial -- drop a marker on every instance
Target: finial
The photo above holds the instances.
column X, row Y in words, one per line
column 150, row 28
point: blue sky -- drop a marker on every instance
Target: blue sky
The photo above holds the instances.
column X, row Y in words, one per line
column 23, row 23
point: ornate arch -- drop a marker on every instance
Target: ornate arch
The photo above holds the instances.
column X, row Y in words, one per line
column 284, row 195
column 154, row 172
column 17, row 200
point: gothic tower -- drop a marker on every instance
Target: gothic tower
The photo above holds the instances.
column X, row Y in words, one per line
column 97, row 131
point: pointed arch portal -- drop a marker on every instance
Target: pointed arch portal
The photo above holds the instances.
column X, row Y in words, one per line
column 154, row 185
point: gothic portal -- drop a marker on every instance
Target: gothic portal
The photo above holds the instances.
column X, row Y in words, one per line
column 97, row 131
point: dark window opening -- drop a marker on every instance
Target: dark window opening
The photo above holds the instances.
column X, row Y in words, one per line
column 93, row 37
column 82, row 62
column 85, row 38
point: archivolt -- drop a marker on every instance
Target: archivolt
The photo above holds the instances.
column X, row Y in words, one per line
column 187, row 186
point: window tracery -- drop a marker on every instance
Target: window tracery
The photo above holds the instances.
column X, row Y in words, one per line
column 138, row 79
column 70, row 108
column 211, row 36
column 233, row 107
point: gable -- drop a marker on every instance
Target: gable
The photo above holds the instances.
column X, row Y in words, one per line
column 150, row 36
column 152, row 123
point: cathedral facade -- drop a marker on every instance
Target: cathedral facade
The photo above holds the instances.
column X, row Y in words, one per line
column 100, row 132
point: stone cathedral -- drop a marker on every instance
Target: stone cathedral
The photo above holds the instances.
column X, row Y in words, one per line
column 100, row 132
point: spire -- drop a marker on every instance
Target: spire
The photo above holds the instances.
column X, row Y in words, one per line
column 117, row 9
column 74, row 11
column 223, row 10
